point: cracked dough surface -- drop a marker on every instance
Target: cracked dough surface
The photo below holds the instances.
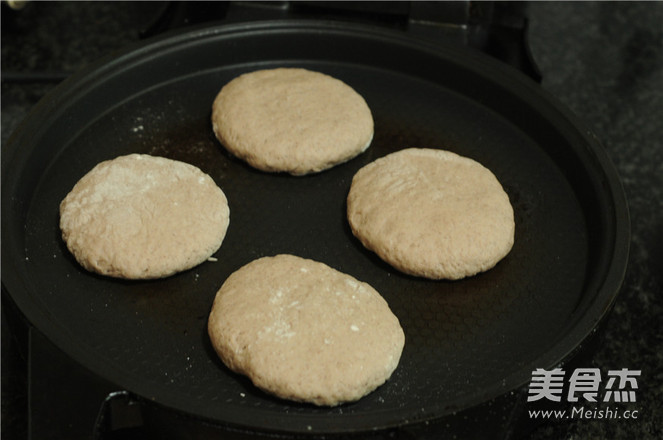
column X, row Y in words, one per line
column 140, row 216
column 431, row 213
column 291, row 120
column 303, row 331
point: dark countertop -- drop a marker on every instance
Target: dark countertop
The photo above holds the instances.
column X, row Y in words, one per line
column 604, row 60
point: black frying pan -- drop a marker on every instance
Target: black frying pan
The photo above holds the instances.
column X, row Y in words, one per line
column 467, row 341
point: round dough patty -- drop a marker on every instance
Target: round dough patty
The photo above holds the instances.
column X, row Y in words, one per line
column 431, row 213
column 291, row 120
column 141, row 216
column 304, row 331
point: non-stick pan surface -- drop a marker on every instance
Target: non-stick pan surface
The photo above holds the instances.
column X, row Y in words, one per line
column 467, row 341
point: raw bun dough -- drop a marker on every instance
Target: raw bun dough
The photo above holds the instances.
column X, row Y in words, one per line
column 431, row 213
column 304, row 331
column 291, row 120
column 141, row 216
